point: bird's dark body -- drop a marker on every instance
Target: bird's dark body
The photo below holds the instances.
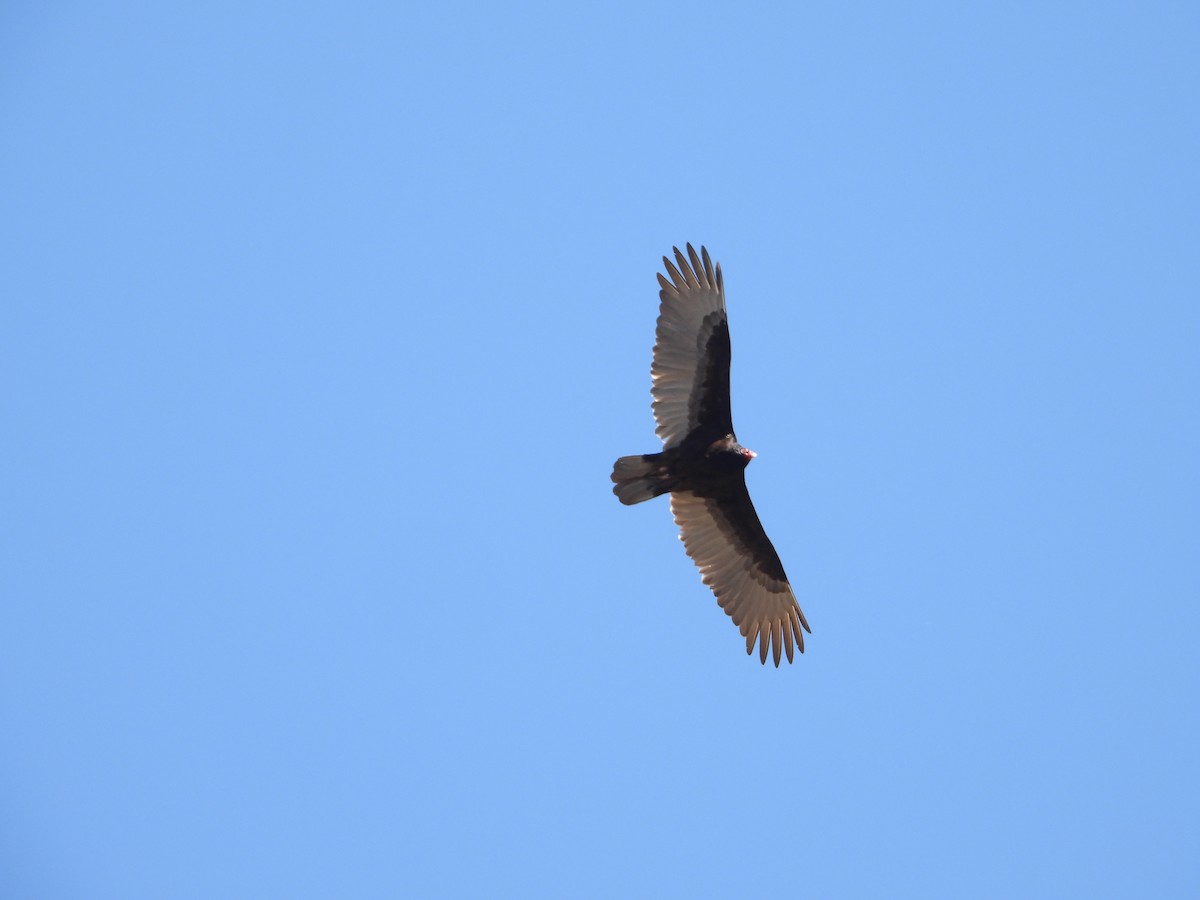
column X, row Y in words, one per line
column 704, row 468
column 702, row 465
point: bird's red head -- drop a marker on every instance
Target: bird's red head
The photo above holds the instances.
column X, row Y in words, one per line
column 748, row 453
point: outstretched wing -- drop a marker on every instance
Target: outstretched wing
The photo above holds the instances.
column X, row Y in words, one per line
column 691, row 351
column 723, row 536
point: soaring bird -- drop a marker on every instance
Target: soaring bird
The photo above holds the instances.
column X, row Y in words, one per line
column 702, row 465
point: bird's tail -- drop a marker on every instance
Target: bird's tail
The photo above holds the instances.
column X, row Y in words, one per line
column 638, row 478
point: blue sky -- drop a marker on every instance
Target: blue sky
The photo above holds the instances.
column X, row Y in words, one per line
column 324, row 323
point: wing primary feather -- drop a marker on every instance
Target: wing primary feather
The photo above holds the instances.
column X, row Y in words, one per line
column 680, row 281
column 697, row 267
column 688, row 275
column 708, row 269
column 795, row 627
column 666, row 285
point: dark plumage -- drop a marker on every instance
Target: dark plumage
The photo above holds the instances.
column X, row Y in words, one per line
column 702, row 465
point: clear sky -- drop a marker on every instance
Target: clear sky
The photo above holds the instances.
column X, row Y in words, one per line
column 323, row 324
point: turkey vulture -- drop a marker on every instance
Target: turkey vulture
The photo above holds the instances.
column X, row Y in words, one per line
column 702, row 465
